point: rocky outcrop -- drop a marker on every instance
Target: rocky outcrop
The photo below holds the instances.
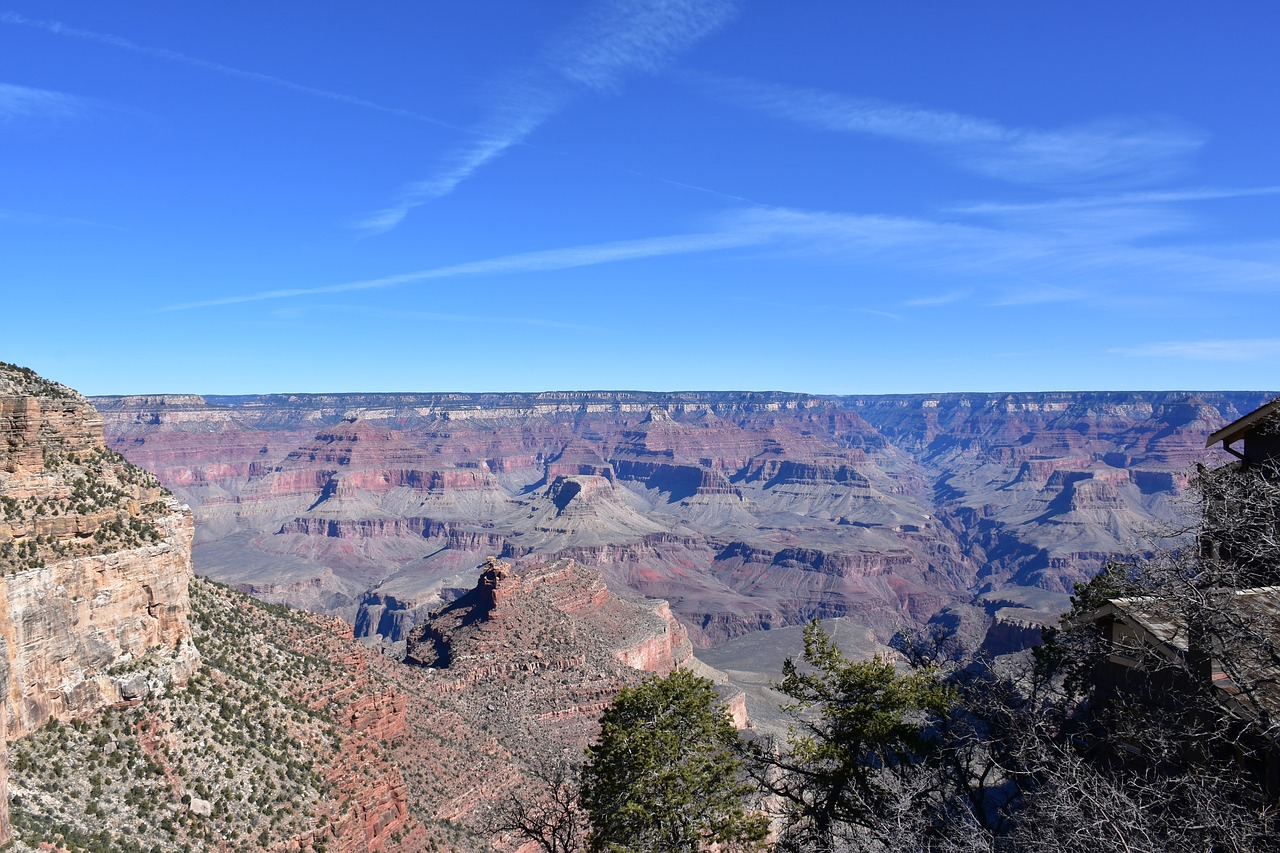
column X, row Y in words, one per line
column 556, row 616
column 517, row 672
column 71, row 626
column 6, row 830
column 786, row 471
column 681, row 481
column 666, row 649
column 96, row 558
column 735, row 703
column 380, row 715
column 372, row 800
column 384, row 615
column 1012, row 630
column 38, row 418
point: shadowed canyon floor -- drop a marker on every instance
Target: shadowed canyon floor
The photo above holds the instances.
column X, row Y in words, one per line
column 744, row 510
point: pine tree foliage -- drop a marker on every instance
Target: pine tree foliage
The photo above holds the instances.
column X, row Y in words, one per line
column 1160, row 739
column 861, row 747
column 664, row 775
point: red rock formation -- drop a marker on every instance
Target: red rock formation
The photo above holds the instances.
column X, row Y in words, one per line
column 95, row 556
column 519, row 669
column 381, row 715
column 372, row 799
column 99, row 559
column 871, row 505
column 736, row 706
column 662, row 651
column 6, row 831
column 556, row 616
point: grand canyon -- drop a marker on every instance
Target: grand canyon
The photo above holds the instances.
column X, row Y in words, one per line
column 745, row 511
column 362, row 622
column 639, row 426
column 146, row 708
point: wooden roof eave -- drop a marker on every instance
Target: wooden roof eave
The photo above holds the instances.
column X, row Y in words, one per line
column 1237, row 428
column 1165, row 647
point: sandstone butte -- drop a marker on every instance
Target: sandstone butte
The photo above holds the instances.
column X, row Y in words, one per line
column 746, row 511
column 95, row 612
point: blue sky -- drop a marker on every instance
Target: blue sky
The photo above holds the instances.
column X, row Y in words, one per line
column 828, row 197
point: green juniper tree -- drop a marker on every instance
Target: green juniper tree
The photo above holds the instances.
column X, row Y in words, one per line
column 664, row 775
column 858, row 762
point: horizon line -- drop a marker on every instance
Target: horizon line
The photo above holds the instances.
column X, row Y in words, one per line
column 687, row 391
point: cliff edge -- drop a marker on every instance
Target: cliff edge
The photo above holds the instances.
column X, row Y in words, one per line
column 95, row 557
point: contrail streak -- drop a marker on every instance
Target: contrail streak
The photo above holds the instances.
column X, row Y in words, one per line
column 61, row 29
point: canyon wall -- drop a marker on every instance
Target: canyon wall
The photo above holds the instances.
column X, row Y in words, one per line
column 78, row 630
column 95, row 556
column 6, row 831
column 745, row 511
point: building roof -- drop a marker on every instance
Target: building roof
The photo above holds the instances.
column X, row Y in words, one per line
column 1253, row 621
column 1158, row 617
column 1236, row 429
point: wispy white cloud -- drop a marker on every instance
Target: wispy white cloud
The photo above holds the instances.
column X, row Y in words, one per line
column 452, row 170
column 1133, row 199
column 594, row 55
column 618, row 39
column 1086, row 264
column 528, row 262
column 1117, row 150
column 23, row 217
column 1244, row 349
column 948, row 298
column 471, row 319
column 60, row 29
column 1121, row 224
column 19, row 103
column 997, row 265
column 888, row 315
column 626, row 37
column 1134, row 223
column 1038, row 294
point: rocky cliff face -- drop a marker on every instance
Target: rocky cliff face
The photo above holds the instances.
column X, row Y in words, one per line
column 559, row 616
column 745, row 511
column 282, row 741
column 95, row 558
column 6, row 830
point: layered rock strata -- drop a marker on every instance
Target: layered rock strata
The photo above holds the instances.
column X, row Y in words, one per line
column 744, row 510
column 6, row 830
column 517, row 672
column 559, row 616
column 95, row 558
